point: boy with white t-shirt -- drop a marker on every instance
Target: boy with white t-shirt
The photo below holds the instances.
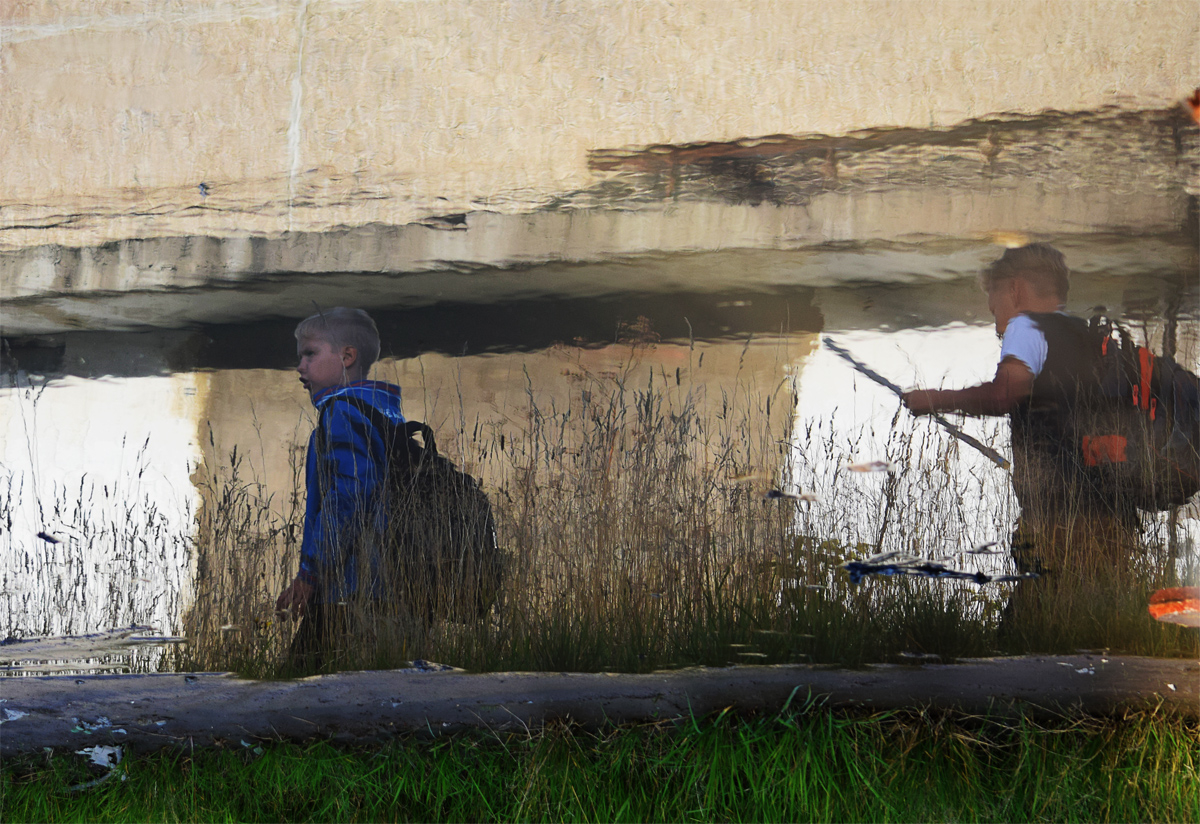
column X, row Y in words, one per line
column 1045, row 382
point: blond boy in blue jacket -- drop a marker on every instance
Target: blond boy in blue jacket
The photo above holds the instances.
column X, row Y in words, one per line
column 345, row 470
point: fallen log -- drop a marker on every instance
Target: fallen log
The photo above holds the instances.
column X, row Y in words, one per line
column 146, row 712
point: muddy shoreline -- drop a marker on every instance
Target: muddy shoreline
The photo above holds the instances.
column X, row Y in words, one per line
column 150, row 712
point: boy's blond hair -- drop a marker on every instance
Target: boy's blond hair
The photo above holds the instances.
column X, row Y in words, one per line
column 1039, row 264
column 341, row 326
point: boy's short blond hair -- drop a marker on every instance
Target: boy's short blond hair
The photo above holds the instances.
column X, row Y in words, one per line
column 1038, row 264
column 341, row 326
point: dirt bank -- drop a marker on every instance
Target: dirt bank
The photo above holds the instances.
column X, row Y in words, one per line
column 148, row 712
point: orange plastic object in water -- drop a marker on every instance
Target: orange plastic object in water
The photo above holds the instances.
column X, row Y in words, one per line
column 1178, row 605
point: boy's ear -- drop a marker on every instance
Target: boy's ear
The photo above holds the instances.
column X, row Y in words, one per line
column 349, row 357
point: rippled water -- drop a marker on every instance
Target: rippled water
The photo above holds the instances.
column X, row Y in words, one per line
column 135, row 372
column 107, row 434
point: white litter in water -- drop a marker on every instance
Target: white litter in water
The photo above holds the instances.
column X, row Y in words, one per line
column 1172, row 686
column 83, row 726
column 102, row 755
column 1086, row 671
column 11, row 715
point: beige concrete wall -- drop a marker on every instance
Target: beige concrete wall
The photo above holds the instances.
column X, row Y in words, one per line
column 472, row 401
column 312, row 113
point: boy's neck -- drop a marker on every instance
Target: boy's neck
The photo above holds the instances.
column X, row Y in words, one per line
column 1028, row 300
column 333, row 390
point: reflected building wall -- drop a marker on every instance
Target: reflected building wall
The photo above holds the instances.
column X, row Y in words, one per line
column 473, row 402
column 299, row 115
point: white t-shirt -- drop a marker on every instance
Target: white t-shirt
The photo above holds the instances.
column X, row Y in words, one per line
column 1024, row 341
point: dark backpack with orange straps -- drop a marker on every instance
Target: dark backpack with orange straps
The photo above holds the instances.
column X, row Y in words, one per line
column 1143, row 436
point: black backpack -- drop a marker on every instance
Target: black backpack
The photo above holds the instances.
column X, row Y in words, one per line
column 1143, row 438
column 443, row 558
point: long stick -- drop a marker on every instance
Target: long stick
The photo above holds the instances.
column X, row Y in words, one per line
column 994, row 456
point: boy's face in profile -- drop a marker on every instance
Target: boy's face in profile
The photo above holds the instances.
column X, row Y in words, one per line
column 1002, row 303
column 322, row 364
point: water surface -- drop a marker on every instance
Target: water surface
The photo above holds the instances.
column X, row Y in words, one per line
column 112, row 436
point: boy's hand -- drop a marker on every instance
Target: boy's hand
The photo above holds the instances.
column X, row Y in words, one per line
column 919, row 401
column 295, row 598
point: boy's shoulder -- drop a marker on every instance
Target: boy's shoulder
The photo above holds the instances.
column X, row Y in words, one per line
column 352, row 398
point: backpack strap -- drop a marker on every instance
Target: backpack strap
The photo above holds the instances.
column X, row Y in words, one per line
column 406, row 430
column 362, row 429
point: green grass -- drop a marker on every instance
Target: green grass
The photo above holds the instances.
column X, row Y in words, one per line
column 805, row 764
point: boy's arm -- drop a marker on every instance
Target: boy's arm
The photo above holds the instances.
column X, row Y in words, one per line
column 1013, row 383
column 295, row 598
column 348, row 486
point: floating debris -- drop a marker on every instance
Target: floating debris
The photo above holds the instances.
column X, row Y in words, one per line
column 11, row 715
column 102, row 756
column 871, row 466
column 990, row 548
column 1177, row 605
column 87, row 728
column 895, row 563
column 779, row 494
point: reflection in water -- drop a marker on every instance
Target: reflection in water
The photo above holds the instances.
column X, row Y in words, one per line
column 893, row 563
column 101, row 467
column 1102, row 149
column 121, row 451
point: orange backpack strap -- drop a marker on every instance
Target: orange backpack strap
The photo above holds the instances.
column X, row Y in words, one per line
column 1145, row 373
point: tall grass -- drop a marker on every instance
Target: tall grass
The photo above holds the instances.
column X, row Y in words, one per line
column 637, row 536
column 95, row 556
column 804, row 764
column 244, row 552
